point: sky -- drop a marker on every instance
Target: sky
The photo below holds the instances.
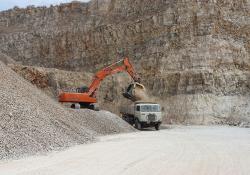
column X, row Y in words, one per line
column 7, row 4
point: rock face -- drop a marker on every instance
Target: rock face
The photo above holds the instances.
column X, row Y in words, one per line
column 193, row 56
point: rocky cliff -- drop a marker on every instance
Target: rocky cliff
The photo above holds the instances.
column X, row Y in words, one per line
column 193, row 56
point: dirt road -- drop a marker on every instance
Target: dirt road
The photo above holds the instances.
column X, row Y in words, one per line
column 176, row 151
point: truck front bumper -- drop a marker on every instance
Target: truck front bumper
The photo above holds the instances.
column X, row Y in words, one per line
column 150, row 124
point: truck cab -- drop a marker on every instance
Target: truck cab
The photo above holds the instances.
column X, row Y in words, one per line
column 143, row 114
column 147, row 115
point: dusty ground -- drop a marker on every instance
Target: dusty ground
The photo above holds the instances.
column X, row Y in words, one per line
column 180, row 150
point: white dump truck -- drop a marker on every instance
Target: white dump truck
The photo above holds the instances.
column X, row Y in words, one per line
column 142, row 114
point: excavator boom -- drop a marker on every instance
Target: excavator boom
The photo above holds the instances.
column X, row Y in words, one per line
column 113, row 69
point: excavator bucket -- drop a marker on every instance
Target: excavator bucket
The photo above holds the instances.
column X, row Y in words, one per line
column 135, row 92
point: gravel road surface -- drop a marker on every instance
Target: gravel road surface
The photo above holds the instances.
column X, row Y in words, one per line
column 177, row 151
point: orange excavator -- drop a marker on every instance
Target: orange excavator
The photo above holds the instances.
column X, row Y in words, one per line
column 85, row 97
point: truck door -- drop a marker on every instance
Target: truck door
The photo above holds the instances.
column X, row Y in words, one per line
column 137, row 111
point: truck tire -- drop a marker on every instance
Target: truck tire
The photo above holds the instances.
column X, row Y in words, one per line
column 138, row 124
column 157, row 126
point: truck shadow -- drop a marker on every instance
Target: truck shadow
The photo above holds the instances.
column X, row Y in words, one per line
column 163, row 127
column 148, row 129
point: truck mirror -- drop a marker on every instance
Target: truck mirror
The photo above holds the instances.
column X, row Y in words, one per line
column 162, row 109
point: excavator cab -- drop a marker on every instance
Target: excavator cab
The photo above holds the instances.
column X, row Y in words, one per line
column 82, row 89
column 133, row 90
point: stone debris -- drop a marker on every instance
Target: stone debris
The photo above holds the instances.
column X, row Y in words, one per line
column 101, row 122
column 31, row 122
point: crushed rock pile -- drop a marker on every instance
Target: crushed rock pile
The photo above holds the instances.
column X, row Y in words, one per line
column 31, row 122
column 101, row 122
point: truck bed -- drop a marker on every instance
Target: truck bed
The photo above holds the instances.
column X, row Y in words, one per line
column 128, row 109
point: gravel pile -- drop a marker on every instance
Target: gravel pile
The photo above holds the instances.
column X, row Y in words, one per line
column 31, row 122
column 101, row 122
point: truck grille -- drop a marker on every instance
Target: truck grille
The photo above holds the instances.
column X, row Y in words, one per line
column 151, row 117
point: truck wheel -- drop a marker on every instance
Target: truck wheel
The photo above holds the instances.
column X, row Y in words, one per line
column 137, row 124
column 157, row 126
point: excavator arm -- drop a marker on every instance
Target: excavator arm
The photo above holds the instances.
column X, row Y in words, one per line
column 112, row 69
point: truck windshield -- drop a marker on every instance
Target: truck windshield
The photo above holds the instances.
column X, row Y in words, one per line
column 150, row 108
